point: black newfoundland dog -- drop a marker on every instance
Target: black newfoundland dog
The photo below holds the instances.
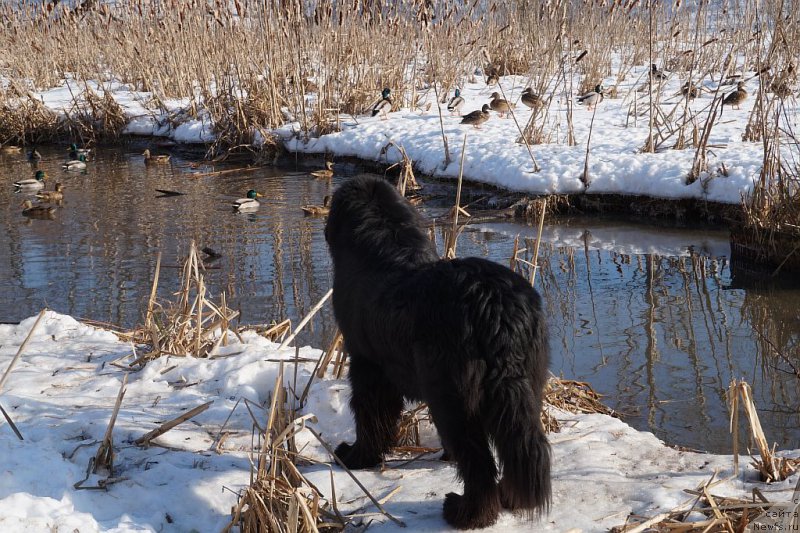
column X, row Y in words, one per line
column 465, row 336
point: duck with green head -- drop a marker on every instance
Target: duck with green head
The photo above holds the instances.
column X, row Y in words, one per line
column 248, row 203
column 32, row 184
column 384, row 105
column 456, row 103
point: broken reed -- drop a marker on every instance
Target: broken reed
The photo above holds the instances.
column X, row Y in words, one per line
column 191, row 325
column 248, row 66
column 279, row 497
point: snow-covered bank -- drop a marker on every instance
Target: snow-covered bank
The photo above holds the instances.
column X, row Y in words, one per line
column 62, row 391
column 617, row 164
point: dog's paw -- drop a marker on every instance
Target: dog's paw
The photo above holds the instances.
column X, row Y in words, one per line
column 462, row 513
column 354, row 458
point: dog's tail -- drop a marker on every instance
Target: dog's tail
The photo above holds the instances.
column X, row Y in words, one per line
column 522, row 448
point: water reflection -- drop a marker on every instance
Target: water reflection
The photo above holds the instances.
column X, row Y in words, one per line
column 652, row 317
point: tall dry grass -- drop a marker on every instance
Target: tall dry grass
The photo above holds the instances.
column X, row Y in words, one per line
column 251, row 65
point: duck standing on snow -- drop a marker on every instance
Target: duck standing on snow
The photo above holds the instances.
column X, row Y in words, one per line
column 477, row 117
column 500, row 105
column 248, row 203
column 456, row 103
column 32, row 184
column 736, row 98
column 592, row 98
column 75, row 164
column 324, row 174
column 531, row 99
column 384, row 105
column 54, row 196
column 75, row 152
column 150, row 159
column 689, row 90
column 657, row 75
column 37, row 211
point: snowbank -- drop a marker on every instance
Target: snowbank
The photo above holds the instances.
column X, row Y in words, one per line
column 617, row 164
column 61, row 393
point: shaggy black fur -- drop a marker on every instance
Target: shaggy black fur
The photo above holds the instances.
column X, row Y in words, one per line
column 465, row 336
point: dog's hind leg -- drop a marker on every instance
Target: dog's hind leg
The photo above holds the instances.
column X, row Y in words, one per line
column 376, row 406
column 466, row 442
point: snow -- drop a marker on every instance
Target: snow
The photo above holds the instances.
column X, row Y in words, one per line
column 61, row 393
column 617, row 164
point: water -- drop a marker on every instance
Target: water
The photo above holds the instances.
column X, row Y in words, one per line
column 651, row 317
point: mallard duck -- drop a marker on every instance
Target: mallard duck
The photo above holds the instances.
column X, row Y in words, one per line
column 592, row 98
column 75, row 152
column 10, row 149
column 159, row 159
column 37, row 211
column 500, row 105
column 75, row 164
column 52, row 196
column 32, row 184
column 477, row 117
column 655, row 74
column 531, row 99
column 456, row 103
column 736, row 98
column 326, row 173
column 384, row 105
column 688, row 90
column 318, row 210
column 34, row 156
column 248, row 203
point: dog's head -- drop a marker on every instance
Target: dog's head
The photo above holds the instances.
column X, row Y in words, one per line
column 370, row 221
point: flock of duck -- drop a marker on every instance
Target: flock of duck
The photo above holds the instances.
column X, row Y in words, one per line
column 532, row 100
column 48, row 200
column 35, row 186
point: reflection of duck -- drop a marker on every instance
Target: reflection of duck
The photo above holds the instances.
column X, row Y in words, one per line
column 592, row 98
column 477, row 117
column 75, row 164
column 37, row 211
column 32, row 184
column 456, row 103
column 500, row 105
column 384, row 105
column 10, row 149
column 249, row 203
column 326, row 173
column 738, row 96
column 75, row 152
column 159, row 159
column 52, row 196
column 318, row 210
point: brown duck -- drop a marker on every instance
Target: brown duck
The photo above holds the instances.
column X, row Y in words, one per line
column 477, row 117
column 52, row 196
column 500, row 105
column 736, row 98
column 37, row 211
